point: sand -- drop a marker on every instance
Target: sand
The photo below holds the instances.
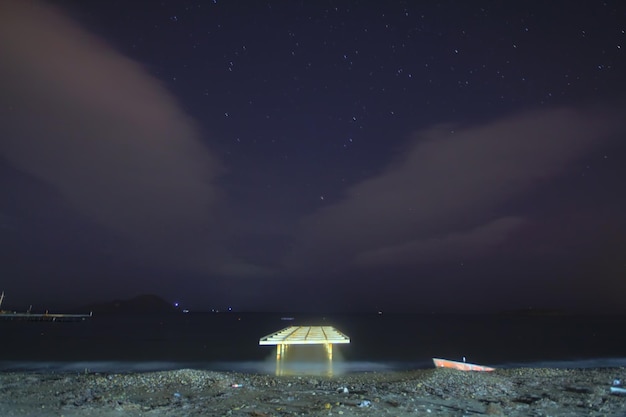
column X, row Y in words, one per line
column 432, row 392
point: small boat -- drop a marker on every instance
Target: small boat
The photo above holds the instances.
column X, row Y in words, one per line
column 461, row 366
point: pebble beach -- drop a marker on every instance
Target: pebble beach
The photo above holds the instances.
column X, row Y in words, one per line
column 429, row 392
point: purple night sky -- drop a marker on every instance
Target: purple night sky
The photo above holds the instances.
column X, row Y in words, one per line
column 314, row 155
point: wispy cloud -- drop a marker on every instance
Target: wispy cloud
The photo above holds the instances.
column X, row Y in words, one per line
column 97, row 127
column 439, row 199
column 457, row 245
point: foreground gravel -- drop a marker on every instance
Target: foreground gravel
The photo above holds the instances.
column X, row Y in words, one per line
column 436, row 392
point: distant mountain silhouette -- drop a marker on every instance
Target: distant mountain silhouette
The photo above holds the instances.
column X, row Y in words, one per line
column 147, row 303
column 535, row 312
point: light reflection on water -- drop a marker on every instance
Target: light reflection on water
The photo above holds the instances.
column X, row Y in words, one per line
column 269, row 366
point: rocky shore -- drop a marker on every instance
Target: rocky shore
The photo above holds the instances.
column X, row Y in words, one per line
column 433, row 392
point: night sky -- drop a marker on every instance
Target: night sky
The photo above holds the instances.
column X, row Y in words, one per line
column 444, row 156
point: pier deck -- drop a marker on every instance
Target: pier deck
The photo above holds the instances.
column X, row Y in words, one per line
column 305, row 335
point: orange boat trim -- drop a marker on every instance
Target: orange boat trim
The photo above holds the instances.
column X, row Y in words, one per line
column 461, row 366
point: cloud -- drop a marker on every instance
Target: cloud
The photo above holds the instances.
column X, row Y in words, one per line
column 443, row 196
column 96, row 126
column 461, row 245
column 242, row 270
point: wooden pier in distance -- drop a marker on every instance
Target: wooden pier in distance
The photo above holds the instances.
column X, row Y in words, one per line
column 7, row 315
column 28, row 316
column 305, row 335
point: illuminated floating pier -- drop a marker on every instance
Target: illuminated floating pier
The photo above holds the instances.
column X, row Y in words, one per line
column 305, row 335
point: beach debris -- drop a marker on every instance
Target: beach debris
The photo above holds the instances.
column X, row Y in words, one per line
column 578, row 389
column 236, row 385
column 177, row 394
column 617, row 388
column 365, row 403
column 343, row 390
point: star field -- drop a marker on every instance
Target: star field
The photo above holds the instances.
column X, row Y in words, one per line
column 229, row 153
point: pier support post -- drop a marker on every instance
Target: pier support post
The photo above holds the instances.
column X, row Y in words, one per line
column 280, row 350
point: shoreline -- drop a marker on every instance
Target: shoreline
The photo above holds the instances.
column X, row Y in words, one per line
column 513, row 392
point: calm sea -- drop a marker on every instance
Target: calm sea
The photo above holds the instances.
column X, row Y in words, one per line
column 229, row 341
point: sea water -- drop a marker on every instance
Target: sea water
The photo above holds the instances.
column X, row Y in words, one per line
column 388, row 342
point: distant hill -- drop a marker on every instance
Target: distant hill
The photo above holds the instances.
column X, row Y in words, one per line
column 535, row 312
column 141, row 304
